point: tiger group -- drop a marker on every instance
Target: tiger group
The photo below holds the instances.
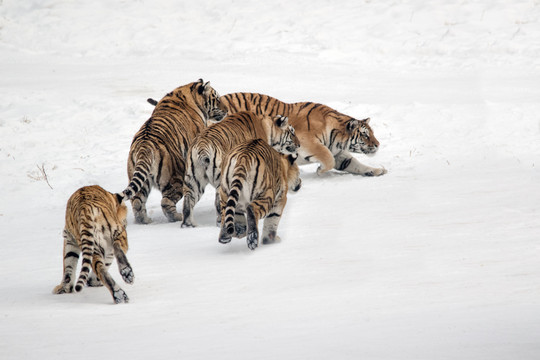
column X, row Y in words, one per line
column 248, row 146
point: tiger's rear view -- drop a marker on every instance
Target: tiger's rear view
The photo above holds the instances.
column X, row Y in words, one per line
column 212, row 144
column 254, row 180
column 96, row 226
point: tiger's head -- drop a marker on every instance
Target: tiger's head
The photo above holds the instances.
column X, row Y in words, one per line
column 361, row 138
column 210, row 100
column 282, row 136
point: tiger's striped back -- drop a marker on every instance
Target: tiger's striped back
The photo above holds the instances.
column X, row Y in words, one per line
column 159, row 149
column 255, row 179
column 96, row 229
column 211, row 146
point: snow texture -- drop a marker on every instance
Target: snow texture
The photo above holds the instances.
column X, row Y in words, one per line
column 438, row 259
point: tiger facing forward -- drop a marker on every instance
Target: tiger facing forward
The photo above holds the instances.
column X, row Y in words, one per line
column 211, row 146
column 326, row 135
column 95, row 226
column 159, row 149
column 255, row 179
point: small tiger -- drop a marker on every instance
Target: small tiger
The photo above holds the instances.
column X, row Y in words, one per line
column 159, row 149
column 95, row 226
column 326, row 135
column 255, row 179
column 211, row 146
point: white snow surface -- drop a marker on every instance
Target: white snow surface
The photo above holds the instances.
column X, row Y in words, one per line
column 438, row 259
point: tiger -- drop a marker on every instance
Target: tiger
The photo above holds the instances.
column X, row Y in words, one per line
column 159, row 149
column 211, row 145
column 255, row 180
column 326, row 135
column 96, row 227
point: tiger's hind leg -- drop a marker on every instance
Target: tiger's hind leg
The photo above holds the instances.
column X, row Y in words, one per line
column 271, row 222
column 171, row 193
column 253, row 230
column 71, row 257
column 194, row 189
column 138, row 204
column 217, row 204
column 119, row 295
column 345, row 161
column 120, row 248
column 240, row 225
column 255, row 211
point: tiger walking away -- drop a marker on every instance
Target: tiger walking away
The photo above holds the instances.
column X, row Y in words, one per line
column 255, row 180
column 96, row 227
column 212, row 145
column 327, row 136
column 159, row 149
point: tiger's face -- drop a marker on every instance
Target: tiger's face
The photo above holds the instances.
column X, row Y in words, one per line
column 362, row 139
column 215, row 109
column 283, row 138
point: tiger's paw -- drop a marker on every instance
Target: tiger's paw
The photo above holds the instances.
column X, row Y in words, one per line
column 142, row 219
column 188, row 224
column 224, row 237
column 120, row 296
column 240, row 229
column 253, row 240
column 375, row 172
column 63, row 289
column 127, row 275
column 93, row 281
column 175, row 217
column 321, row 170
column 271, row 240
column 270, row 237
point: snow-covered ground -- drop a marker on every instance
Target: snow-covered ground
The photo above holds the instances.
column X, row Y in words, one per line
column 438, row 259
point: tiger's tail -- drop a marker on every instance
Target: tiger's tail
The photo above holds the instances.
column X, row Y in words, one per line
column 152, row 101
column 204, row 158
column 142, row 169
column 86, row 231
column 232, row 200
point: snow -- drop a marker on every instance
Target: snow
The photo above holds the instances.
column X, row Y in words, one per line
column 438, row 259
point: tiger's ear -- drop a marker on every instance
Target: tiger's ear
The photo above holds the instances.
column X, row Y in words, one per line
column 204, row 88
column 119, row 197
column 366, row 120
column 281, row 121
column 352, row 125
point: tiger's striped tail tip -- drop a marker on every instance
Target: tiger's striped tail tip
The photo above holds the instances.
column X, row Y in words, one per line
column 127, row 194
column 152, row 101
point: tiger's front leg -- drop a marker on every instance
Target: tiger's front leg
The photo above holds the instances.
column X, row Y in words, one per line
column 315, row 151
column 345, row 161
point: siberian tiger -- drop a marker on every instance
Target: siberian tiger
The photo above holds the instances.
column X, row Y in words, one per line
column 255, row 179
column 159, row 149
column 326, row 135
column 95, row 226
column 212, row 144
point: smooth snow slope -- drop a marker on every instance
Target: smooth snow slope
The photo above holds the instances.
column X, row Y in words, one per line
column 438, row 259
